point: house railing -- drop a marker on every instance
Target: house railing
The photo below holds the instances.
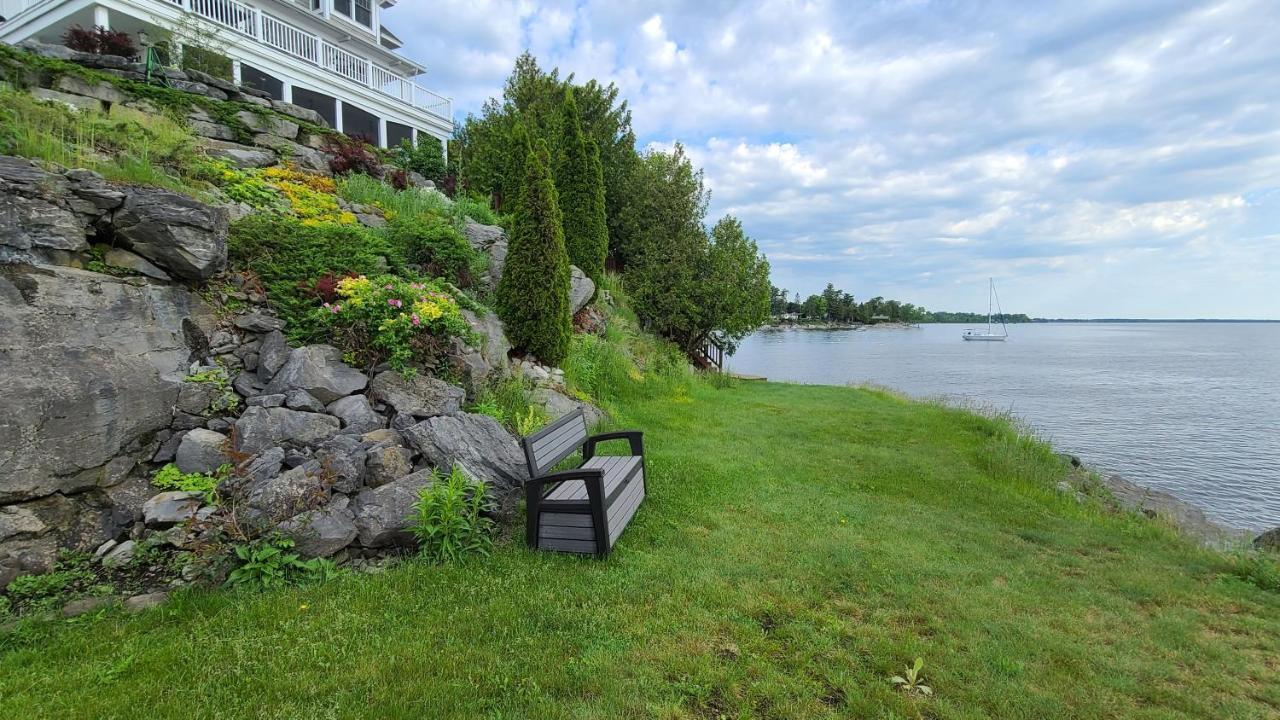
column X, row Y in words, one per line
column 276, row 33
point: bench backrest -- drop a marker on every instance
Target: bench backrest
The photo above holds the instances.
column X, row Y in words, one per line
column 546, row 448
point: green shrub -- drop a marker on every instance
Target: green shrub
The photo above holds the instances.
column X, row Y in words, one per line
column 533, row 295
column 580, row 184
column 409, row 204
column 438, row 247
column 69, row 579
column 268, row 564
column 509, row 401
column 449, row 519
column 478, row 209
column 295, row 262
column 170, row 477
column 388, row 319
column 426, row 159
column 1255, row 568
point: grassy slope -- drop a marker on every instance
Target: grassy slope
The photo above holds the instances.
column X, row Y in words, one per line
column 800, row 545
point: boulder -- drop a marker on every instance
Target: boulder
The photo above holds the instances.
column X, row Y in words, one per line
column 272, row 355
column 195, row 398
column 260, row 428
column 494, row 346
column 170, row 508
column 76, row 103
column 419, row 395
column 120, row 555
column 302, row 400
column 319, row 370
column 146, row 601
column 301, row 155
column 242, row 156
column 343, row 458
column 478, row 442
column 322, row 532
column 382, row 514
column 184, row 236
column 581, row 289
column 84, row 606
column 356, row 414
column 268, row 401
column 202, row 451
column 297, row 111
column 27, row 557
column 257, row 322
column 1269, row 540
column 291, row 493
column 557, row 405
column 31, row 203
column 268, row 123
column 89, row 365
column 387, row 464
column 97, row 89
column 120, row 258
column 492, row 241
column 213, row 130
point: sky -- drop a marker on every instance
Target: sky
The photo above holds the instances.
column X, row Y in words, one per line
column 1098, row 159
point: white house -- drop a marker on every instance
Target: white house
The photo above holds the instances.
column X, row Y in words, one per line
column 332, row 56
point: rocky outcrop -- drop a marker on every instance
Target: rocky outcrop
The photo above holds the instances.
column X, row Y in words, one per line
column 174, row 231
column 492, row 241
column 581, row 289
column 382, row 514
column 480, row 444
column 421, row 396
column 319, row 371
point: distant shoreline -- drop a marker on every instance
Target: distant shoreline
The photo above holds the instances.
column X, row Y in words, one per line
column 1034, row 321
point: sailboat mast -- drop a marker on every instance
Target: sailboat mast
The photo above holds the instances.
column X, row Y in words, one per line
column 991, row 291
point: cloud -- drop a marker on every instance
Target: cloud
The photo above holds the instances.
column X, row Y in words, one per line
column 1097, row 158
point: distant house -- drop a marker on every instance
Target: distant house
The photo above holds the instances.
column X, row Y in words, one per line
column 789, row 317
column 332, row 56
column 879, row 318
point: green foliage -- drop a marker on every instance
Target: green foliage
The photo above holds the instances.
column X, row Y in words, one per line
column 449, row 518
column 268, row 564
column 533, row 295
column 438, row 247
column 388, row 319
column 427, row 159
column 913, row 680
column 124, row 145
column 580, row 185
column 409, row 204
column 506, row 399
column 290, row 258
column 228, row 399
column 70, row 578
column 170, row 477
column 478, row 209
column 1255, row 568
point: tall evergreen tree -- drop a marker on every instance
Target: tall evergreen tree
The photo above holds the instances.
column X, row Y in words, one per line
column 580, row 184
column 533, row 295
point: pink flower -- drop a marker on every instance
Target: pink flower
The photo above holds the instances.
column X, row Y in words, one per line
column 416, row 321
column 394, row 303
column 335, row 308
column 387, row 286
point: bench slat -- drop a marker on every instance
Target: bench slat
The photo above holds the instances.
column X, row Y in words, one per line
column 549, row 532
column 620, row 515
column 573, row 546
column 567, row 519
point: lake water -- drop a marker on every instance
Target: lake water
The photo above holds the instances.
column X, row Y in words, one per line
column 1190, row 408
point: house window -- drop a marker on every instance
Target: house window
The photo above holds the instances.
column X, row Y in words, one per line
column 360, row 11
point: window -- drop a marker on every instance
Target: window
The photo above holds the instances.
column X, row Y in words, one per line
column 360, row 11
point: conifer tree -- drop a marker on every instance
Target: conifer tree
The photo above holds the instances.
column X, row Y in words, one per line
column 580, row 183
column 533, row 295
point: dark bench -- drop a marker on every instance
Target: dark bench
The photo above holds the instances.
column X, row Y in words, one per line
column 585, row 509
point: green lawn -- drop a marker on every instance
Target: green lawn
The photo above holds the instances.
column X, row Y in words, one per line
column 799, row 546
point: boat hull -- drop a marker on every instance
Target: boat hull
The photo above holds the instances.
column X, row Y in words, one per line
column 984, row 338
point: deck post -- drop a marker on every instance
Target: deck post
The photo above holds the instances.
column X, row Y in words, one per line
column 337, row 114
column 236, row 72
column 286, row 91
column 382, row 132
column 101, row 17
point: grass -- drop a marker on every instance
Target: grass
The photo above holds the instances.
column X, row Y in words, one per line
column 800, row 546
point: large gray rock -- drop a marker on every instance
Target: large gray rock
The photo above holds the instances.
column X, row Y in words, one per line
column 356, row 414
column 261, row 428
column 479, row 443
column 242, row 156
column 202, row 451
column 382, row 514
column 272, row 355
column 268, row 123
column 1269, row 540
column 319, row 370
column 184, row 236
column 387, row 464
column 419, row 395
column 494, row 346
column 170, row 508
column 343, row 458
column 492, row 241
column 97, row 89
column 89, row 364
column 322, row 532
column 125, row 260
column 300, row 155
column 581, row 289
column 289, row 494
column 297, row 111
column 35, row 214
column 557, row 405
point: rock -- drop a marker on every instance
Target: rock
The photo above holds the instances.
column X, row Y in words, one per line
column 242, row 156
column 20, row 522
column 299, row 112
column 138, row 603
column 420, row 395
column 99, row 90
column 491, row 240
column 557, row 405
column 119, row 258
column 103, row 549
column 322, row 532
column 120, row 555
column 488, row 451
column 182, row 235
column 302, row 400
column 258, row 322
column 89, row 364
column 295, row 491
column 343, row 458
column 195, row 398
column 77, row 103
column 35, row 216
column 260, row 428
column 581, row 289
column 49, row 50
column 1269, row 540
column 169, row 508
column 27, row 557
column 86, row 605
column 386, row 465
column 356, row 413
column 300, row 155
column 382, row 514
column 169, row 448
column 272, row 355
column 202, row 451
column 494, row 346
column 247, row 385
column 268, row 401
column 319, row 370
column 268, row 123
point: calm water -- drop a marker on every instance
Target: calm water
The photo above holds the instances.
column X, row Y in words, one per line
column 1193, row 409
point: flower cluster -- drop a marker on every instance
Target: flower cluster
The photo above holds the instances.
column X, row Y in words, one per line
column 310, row 197
column 392, row 319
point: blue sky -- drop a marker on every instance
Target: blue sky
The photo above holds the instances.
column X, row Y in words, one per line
column 1097, row 158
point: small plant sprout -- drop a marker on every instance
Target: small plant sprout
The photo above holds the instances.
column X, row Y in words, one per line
column 913, row 683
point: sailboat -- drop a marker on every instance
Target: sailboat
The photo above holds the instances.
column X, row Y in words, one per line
column 990, row 335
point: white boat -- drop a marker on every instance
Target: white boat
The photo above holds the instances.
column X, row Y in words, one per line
column 990, row 335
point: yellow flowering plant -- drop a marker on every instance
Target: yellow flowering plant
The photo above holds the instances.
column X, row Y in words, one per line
column 390, row 319
column 310, row 197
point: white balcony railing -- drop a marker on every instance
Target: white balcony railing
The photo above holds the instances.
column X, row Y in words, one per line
column 298, row 43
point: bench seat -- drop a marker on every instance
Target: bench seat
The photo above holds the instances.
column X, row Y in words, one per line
column 583, row 509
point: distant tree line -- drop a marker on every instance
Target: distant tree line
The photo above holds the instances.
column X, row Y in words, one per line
column 837, row 306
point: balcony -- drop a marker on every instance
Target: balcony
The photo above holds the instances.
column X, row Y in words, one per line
column 297, row 43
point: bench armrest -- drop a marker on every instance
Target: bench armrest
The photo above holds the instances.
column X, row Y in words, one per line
column 634, row 437
column 593, row 478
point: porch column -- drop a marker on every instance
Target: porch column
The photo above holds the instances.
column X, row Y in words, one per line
column 286, row 91
column 382, row 132
column 337, row 114
column 101, row 17
column 236, row 72
column 413, row 136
